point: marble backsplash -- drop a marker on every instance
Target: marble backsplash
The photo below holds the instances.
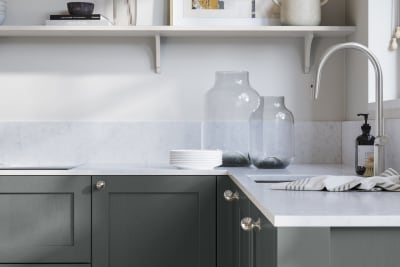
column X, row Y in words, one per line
column 147, row 143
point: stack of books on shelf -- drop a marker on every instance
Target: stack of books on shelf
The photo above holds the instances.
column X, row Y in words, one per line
column 73, row 20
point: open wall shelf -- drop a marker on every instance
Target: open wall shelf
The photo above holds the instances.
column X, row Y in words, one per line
column 157, row 32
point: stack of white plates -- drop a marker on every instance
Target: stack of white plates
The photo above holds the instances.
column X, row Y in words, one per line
column 3, row 10
column 195, row 159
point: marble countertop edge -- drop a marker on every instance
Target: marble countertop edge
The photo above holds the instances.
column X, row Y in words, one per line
column 282, row 208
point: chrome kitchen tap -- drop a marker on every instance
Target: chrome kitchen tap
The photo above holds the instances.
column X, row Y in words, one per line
column 379, row 163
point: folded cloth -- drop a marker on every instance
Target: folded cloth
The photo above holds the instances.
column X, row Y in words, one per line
column 389, row 180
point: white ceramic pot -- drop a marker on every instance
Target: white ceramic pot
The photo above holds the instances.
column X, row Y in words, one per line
column 300, row 12
column 124, row 12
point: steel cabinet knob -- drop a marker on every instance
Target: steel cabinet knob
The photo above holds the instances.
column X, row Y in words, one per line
column 248, row 224
column 100, row 185
column 230, row 196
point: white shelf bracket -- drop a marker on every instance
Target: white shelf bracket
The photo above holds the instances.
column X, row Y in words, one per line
column 308, row 39
column 157, row 53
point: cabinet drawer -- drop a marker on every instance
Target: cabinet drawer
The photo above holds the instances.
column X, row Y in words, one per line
column 45, row 219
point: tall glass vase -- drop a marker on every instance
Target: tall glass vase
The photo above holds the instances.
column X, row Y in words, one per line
column 272, row 134
column 228, row 106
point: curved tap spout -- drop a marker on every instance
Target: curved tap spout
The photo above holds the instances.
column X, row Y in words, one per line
column 378, row 146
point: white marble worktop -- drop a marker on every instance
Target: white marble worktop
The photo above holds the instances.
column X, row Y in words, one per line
column 282, row 208
column 318, row 208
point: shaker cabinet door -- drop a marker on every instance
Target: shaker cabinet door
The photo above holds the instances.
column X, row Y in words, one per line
column 263, row 240
column 233, row 244
column 45, row 219
column 153, row 221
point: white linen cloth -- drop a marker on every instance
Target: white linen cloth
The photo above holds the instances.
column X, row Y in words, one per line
column 389, row 180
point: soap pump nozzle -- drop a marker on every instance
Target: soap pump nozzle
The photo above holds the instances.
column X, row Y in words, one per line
column 366, row 128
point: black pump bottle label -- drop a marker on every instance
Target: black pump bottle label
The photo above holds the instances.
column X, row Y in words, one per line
column 363, row 153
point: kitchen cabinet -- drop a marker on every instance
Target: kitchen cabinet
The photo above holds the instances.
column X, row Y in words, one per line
column 263, row 240
column 233, row 244
column 45, row 219
column 153, row 221
column 247, row 239
column 254, row 246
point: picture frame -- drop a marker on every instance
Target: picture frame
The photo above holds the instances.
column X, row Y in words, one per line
column 223, row 12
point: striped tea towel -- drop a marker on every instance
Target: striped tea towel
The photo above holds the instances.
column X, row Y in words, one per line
column 389, row 180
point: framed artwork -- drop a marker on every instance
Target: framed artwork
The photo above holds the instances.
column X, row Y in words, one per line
column 223, row 12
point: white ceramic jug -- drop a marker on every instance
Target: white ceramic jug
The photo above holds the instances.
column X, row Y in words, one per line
column 300, row 12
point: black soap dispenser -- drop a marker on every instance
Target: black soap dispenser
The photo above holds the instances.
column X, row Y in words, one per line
column 364, row 147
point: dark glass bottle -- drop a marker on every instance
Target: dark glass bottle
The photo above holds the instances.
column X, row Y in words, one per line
column 364, row 147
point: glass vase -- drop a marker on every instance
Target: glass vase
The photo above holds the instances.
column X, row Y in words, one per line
column 272, row 134
column 228, row 106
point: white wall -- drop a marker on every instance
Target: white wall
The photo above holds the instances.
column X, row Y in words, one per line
column 356, row 92
column 380, row 31
column 97, row 79
column 373, row 19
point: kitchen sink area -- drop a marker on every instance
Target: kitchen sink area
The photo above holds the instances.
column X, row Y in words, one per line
column 276, row 178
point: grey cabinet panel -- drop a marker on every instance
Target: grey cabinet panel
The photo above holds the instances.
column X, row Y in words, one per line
column 303, row 247
column 225, row 229
column 54, row 209
column 242, row 239
column 263, row 241
column 365, row 247
column 233, row 244
column 45, row 219
column 154, row 221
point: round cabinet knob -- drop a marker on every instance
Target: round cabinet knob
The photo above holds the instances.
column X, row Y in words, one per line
column 100, row 185
column 230, row 196
column 248, row 224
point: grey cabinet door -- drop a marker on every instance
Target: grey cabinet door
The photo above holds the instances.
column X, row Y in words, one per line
column 242, row 253
column 263, row 241
column 225, row 228
column 45, row 219
column 154, row 221
column 233, row 244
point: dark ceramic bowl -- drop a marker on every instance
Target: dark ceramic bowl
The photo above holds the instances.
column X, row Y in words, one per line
column 80, row 8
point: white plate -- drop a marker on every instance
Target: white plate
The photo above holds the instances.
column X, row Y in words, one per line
column 196, row 158
column 195, row 152
column 195, row 167
column 195, row 163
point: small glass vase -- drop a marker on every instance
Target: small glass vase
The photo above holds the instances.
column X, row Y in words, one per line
column 228, row 106
column 272, row 134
